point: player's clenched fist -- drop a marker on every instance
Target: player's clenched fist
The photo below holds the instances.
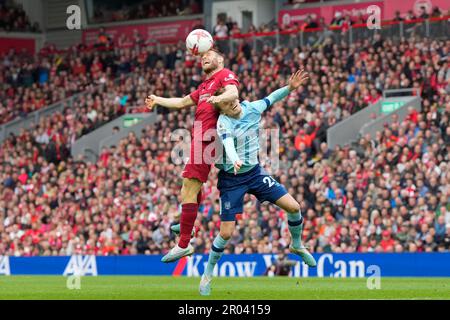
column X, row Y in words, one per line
column 150, row 101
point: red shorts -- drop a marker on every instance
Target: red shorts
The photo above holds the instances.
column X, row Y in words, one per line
column 201, row 159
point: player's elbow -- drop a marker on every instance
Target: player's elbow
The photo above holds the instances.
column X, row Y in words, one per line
column 185, row 102
column 232, row 91
column 235, row 93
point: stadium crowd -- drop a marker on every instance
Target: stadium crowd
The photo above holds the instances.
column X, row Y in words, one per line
column 109, row 11
column 388, row 193
column 14, row 19
column 28, row 83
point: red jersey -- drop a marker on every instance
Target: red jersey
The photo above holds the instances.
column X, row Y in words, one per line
column 205, row 112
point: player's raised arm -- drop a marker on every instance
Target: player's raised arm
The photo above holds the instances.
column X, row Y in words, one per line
column 230, row 94
column 295, row 81
column 171, row 103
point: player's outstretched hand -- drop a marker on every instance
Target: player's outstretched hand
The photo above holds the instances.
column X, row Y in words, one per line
column 150, row 101
column 237, row 166
column 297, row 79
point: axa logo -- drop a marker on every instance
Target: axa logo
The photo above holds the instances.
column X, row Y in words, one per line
column 81, row 266
column 4, row 266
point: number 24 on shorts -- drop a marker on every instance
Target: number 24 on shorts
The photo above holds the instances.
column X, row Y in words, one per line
column 270, row 181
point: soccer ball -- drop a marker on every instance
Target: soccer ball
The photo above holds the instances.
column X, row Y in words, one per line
column 199, row 41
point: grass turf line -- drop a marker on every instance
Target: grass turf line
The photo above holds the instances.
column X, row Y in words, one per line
column 186, row 288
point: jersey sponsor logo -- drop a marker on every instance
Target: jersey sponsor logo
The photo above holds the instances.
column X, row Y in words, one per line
column 229, row 77
column 204, row 97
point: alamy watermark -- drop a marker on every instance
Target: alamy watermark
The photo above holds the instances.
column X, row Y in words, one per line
column 73, row 21
column 374, row 279
column 374, row 18
column 73, row 282
column 200, row 149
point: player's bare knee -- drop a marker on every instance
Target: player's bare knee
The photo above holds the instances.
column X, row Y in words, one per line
column 190, row 190
column 293, row 207
column 226, row 229
column 226, row 234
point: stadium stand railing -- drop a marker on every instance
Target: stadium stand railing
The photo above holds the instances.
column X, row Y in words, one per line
column 434, row 28
column 405, row 105
column 89, row 146
column 373, row 118
column 15, row 126
column 28, row 121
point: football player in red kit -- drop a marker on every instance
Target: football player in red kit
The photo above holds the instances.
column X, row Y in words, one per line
column 197, row 169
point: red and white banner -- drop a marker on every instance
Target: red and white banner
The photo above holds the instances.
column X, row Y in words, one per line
column 163, row 32
column 356, row 9
column 415, row 5
column 388, row 9
column 290, row 17
column 19, row 44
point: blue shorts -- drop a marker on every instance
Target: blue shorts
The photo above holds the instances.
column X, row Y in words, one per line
column 234, row 187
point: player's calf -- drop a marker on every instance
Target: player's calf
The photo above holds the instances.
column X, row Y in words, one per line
column 295, row 225
column 189, row 209
column 216, row 252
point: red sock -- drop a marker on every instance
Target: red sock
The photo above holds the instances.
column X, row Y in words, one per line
column 188, row 216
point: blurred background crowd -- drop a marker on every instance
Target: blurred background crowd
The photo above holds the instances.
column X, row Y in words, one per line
column 14, row 19
column 389, row 193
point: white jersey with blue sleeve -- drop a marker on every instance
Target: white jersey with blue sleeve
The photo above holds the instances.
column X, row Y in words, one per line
column 240, row 136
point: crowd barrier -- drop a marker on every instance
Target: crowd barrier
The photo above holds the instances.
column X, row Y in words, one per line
column 432, row 28
column 243, row 265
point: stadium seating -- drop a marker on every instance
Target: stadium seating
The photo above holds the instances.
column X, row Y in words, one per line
column 14, row 19
column 108, row 11
column 33, row 82
column 388, row 194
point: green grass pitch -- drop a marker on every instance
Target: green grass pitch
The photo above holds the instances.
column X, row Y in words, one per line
column 145, row 287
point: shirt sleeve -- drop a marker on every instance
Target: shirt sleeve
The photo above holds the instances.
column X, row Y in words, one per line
column 226, row 136
column 229, row 78
column 195, row 95
column 275, row 96
column 230, row 150
column 224, row 128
